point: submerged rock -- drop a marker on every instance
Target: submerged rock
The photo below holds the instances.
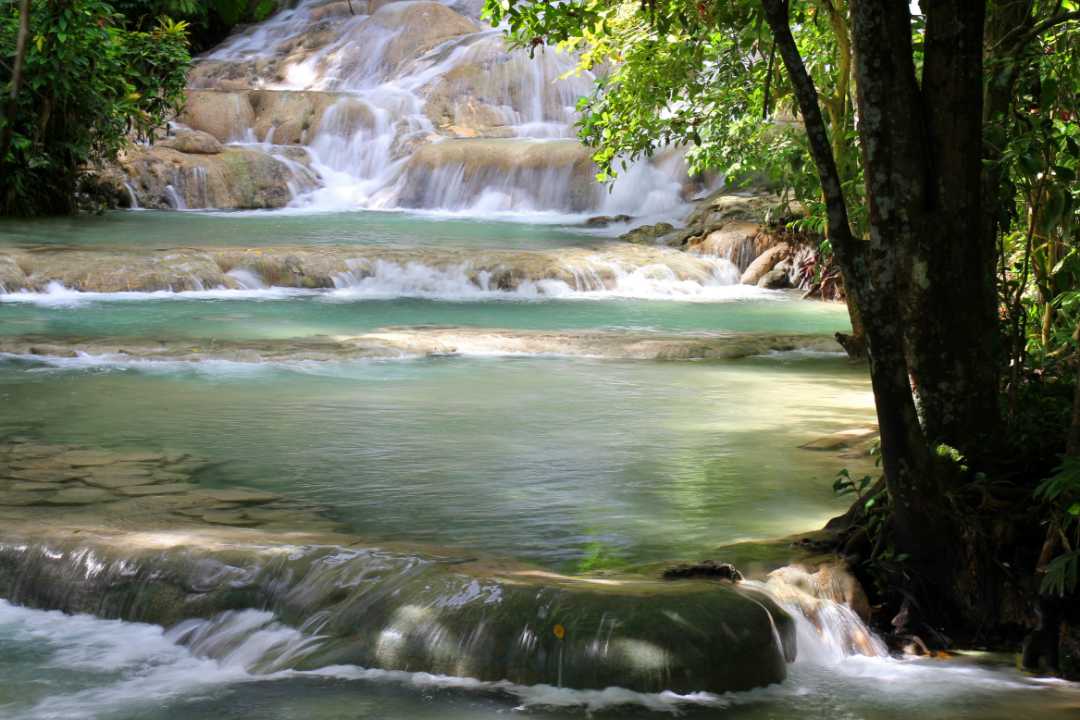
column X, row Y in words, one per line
column 195, row 142
column 600, row 221
column 534, row 271
column 79, row 496
column 412, row 341
column 706, row 569
column 648, row 233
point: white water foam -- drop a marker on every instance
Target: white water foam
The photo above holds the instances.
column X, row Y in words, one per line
column 364, row 144
column 381, row 280
column 112, row 667
column 56, row 295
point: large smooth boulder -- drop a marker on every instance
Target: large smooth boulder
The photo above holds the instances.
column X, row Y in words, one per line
column 235, row 178
column 411, row 610
column 726, row 206
column 286, row 117
column 764, row 263
column 225, row 115
column 195, row 142
column 417, row 27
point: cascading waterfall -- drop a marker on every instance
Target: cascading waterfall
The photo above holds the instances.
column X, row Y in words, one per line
column 133, row 200
column 424, row 108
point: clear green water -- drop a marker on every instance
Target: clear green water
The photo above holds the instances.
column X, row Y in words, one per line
column 569, row 463
column 573, row 464
column 304, row 316
column 158, row 229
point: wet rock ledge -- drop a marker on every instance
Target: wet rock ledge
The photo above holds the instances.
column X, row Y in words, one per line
column 138, row 536
column 397, row 342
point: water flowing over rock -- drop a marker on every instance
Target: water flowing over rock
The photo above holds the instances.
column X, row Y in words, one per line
column 398, row 342
column 395, row 610
column 236, row 177
column 614, row 269
column 400, row 105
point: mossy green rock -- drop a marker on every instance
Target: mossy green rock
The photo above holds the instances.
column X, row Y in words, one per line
column 414, row 612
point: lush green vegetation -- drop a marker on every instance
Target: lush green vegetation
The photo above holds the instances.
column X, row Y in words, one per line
column 88, row 85
column 938, row 156
column 209, row 20
column 89, row 77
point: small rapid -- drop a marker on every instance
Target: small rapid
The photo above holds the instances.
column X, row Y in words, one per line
column 364, row 273
column 206, row 668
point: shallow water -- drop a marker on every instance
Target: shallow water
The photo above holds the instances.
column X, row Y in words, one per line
column 575, row 464
column 570, row 463
column 286, row 316
column 156, row 229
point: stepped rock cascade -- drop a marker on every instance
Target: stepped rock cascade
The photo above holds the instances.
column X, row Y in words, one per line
column 619, row 270
column 393, row 610
column 411, row 104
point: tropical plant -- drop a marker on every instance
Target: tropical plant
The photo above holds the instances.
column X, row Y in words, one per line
column 87, row 86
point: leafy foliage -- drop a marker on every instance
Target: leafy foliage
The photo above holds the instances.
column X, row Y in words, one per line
column 1061, row 493
column 210, row 20
column 88, row 82
column 701, row 76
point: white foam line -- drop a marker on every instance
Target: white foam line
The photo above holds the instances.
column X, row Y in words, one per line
column 215, row 367
column 56, row 294
column 438, row 286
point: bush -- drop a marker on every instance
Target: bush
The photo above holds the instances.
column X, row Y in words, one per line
column 89, row 85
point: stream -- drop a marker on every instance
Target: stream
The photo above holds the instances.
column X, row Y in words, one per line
column 360, row 411
column 599, row 464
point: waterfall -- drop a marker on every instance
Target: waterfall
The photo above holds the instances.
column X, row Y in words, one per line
column 417, row 106
column 175, row 201
column 133, row 200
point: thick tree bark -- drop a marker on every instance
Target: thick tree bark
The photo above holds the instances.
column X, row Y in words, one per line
column 953, row 348
column 924, row 279
column 870, row 276
column 22, row 43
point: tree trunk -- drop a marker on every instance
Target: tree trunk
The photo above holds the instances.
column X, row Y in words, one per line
column 923, row 282
column 11, row 106
column 954, row 344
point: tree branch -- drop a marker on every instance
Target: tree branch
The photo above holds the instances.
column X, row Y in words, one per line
column 843, row 241
column 1037, row 30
